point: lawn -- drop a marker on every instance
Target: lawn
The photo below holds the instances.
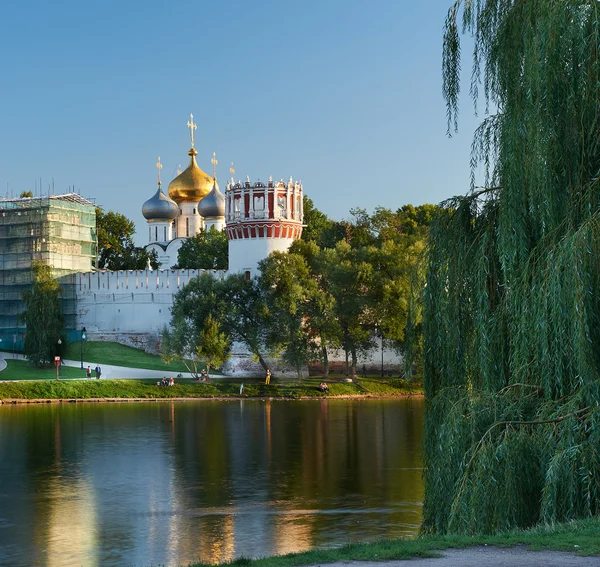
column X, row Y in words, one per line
column 84, row 389
column 22, row 370
column 100, row 352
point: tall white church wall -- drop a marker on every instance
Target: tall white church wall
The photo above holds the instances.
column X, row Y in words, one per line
column 128, row 301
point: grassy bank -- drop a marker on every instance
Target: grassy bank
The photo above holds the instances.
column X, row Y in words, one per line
column 120, row 355
column 22, row 370
column 87, row 389
column 581, row 536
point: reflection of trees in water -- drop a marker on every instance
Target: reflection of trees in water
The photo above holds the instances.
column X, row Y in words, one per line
column 176, row 482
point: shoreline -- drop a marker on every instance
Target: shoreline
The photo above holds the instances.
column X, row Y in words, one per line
column 19, row 401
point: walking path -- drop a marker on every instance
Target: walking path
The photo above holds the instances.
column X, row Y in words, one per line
column 108, row 371
column 488, row 556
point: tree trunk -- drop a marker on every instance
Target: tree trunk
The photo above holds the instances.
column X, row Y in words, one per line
column 354, row 362
column 325, row 361
column 261, row 360
column 346, row 351
column 207, row 371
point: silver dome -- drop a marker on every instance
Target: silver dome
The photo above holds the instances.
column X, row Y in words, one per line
column 213, row 205
column 160, row 207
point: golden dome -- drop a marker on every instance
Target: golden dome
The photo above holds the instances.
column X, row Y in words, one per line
column 192, row 184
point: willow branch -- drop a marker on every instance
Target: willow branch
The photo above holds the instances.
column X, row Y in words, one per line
column 506, row 423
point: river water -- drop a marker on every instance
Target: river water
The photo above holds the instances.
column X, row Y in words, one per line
column 173, row 483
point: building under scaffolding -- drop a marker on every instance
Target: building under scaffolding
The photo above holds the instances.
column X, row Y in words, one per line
column 59, row 231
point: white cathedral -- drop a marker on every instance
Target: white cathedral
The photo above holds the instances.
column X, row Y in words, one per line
column 133, row 306
column 259, row 218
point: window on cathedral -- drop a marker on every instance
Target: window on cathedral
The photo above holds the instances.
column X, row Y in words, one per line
column 165, row 233
column 194, row 211
column 156, row 233
column 149, row 234
column 187, row 227
column 247, row 275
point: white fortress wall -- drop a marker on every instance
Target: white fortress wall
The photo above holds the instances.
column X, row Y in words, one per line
column 129, row 301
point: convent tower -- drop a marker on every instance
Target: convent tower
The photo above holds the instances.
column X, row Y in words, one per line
column 261, row 219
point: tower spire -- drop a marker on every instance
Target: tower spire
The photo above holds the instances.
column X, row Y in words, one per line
column 159, row 167
column 214, row 161
column 192, row 127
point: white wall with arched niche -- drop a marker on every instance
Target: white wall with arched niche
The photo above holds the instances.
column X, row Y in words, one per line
column 167, row 253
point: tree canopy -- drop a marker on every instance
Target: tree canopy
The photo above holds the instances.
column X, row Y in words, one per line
column 207, row 250
column 116, row 249
column 511, row 306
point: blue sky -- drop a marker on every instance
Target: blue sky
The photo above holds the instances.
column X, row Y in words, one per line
column 341, row 94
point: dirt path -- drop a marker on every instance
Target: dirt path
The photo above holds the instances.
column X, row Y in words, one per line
column 486, row 556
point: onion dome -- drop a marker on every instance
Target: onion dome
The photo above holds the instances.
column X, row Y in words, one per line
column 213, row 205
column 192, row 184
column 160, row 207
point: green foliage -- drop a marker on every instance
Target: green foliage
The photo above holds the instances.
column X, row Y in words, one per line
column 207, row 250
column 318, row 224
column 26, row 195
column 213, row 346
column 234, row 302
column 42, row 317
column 116, row 250
column 511, row 309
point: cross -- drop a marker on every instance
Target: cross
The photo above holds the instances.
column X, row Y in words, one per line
column 192, row 127
column 159, row 167
column 214, row 161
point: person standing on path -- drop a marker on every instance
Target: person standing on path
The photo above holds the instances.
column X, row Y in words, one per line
column 88, row 372
column 268, row 377
column 241, row 388
column 98, row 372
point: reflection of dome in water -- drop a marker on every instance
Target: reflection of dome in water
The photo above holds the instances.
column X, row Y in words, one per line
column 160, row 207
column 213, row 205
column 192, row 184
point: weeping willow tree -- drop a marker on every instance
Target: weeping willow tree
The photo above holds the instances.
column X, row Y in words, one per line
column 512, row 299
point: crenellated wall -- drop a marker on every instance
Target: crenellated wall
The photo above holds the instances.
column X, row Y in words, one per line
column 127, row 301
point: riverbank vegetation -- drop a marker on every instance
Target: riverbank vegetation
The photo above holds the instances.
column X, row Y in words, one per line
column 224, row 388
column 582, row 537
column 511, row 316
column 344, row 286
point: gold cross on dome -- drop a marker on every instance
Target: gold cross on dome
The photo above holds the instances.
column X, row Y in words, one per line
column 214, row 161
column 159, row 167
column 192, row 127
column 232, row 170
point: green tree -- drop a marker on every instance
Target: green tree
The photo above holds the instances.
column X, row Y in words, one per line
column 116, row 250
column 207, row 250
column 214, row 346
column 42, row 317
column 26, row 195
column 287, row 291
column 236, row 303
column 348, row 277
column 318, row 314
column 511, row 317
column 194, row 341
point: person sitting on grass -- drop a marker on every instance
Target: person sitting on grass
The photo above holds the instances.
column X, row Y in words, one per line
column 323, row 387
column 171, row 381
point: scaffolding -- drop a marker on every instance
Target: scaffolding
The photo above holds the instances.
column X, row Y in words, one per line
column 58, row 230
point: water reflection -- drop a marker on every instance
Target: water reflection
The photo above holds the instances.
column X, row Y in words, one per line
column 174, row 483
